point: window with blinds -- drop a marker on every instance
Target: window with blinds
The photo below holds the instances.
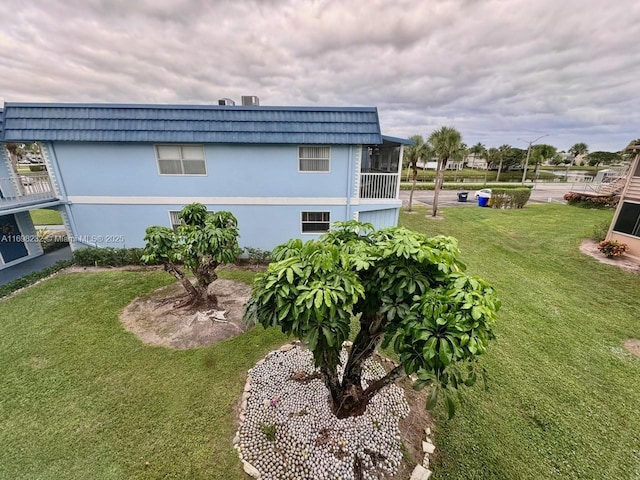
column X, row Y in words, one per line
column 314, row 159
column 628, row 219
column 316, row 222
column 181, row 160
column 174, row 218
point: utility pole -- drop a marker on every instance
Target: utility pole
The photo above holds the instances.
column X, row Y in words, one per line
column 526, row 163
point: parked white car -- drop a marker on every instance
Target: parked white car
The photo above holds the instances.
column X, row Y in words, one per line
column 485, row 192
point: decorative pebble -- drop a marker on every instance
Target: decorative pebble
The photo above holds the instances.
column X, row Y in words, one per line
column 288, row 431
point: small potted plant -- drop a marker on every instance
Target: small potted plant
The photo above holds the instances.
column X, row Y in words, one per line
column 611, row 248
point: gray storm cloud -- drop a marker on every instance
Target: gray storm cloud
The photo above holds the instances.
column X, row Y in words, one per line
column 496, row 69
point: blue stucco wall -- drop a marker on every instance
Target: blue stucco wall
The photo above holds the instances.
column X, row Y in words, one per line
column 380, row 218
column 105, row 169
column 261, row 226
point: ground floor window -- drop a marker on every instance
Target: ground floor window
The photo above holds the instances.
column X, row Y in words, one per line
column 628, row 219
column 316, row 222
column 175, row 220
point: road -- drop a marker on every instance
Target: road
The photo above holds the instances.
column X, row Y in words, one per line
column 541, row 193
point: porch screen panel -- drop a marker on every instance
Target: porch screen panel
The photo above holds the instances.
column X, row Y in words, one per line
column 629, row 219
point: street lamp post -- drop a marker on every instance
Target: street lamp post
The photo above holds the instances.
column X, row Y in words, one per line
column 526, row 163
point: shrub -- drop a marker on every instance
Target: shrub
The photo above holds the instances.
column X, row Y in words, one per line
column 52, row 240
column 257, row 256
column 32, row 278
column 509, row 198
column 611, row 248
column 108, row 257
column 585, row 200
column 600, row 231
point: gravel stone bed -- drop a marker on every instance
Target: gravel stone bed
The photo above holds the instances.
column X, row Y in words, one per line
column 288, row 431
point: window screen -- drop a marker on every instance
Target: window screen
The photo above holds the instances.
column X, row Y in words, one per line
column 181, row 160
column 314, row 159
column 628, row 219
column 315, row 222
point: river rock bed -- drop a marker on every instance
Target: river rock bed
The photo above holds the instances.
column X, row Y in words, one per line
column 287, row 430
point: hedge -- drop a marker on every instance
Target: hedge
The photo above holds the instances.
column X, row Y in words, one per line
column 509, row 197
column 462, row 186
column 108, row 257
column 591, row 201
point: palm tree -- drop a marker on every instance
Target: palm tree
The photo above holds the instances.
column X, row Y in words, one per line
column 413, row 154
column 446, row 143
column 477, row 151
column 502, row 152
column 492, row 156
column 578, row 149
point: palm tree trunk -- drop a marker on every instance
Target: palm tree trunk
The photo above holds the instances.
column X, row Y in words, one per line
column 438, row 186
column 414, row 167
column 499, row 170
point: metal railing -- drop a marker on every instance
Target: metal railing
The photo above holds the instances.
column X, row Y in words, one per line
column 378, row 185
column 25, row 189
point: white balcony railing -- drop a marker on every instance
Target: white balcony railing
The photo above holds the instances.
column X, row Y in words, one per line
column 378, row 185
column 23, row 189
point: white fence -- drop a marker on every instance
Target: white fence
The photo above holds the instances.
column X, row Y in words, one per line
column 378, row 185
column 25, row 189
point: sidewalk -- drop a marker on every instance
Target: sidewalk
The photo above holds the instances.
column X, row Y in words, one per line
column 34, row 265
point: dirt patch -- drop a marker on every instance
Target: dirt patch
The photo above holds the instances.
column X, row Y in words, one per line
column 590, row 247
column 156, row 321
column 633, row 345
column 412, row 430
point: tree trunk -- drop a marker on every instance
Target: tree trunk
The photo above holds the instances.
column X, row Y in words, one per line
column 349, row 398
column 439, row 181
column 499, row 171
column 414, row 167
column 199, row 296
column 176, row 272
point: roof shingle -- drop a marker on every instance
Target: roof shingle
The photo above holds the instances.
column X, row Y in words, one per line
column 189, row 123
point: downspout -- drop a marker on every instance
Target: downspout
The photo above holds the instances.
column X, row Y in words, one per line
column 350, row 179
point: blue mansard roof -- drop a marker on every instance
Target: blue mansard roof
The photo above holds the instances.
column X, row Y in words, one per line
column 73, row 122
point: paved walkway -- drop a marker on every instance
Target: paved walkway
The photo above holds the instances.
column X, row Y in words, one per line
column 34, row 265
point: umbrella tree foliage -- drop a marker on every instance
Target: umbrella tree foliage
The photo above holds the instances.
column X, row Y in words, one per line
column 407, row 291
column 200, row 243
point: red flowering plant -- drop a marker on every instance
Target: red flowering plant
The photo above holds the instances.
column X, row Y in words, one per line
column 611, row 248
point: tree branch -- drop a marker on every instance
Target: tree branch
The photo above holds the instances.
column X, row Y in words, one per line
column 391, row 377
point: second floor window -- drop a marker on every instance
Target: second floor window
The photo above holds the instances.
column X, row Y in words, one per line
column 314, row 159
column 181, row 160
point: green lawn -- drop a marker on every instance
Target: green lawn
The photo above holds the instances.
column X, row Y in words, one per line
column 80, row 398
column 564, row 395
column 46, row 217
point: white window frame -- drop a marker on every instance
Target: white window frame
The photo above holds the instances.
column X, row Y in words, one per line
column 173, row 215
column 181, row 159
column 617, row 232
column 318, row 232
column 300, row 158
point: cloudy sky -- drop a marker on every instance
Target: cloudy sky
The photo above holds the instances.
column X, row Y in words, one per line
column 498, row 70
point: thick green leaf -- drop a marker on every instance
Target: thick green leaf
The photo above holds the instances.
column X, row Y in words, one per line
column 432, row 399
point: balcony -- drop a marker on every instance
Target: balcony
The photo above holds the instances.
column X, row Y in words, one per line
column 379, row 185
column 25, row 190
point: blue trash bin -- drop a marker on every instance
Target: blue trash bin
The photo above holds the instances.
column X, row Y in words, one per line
column 483, row 201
